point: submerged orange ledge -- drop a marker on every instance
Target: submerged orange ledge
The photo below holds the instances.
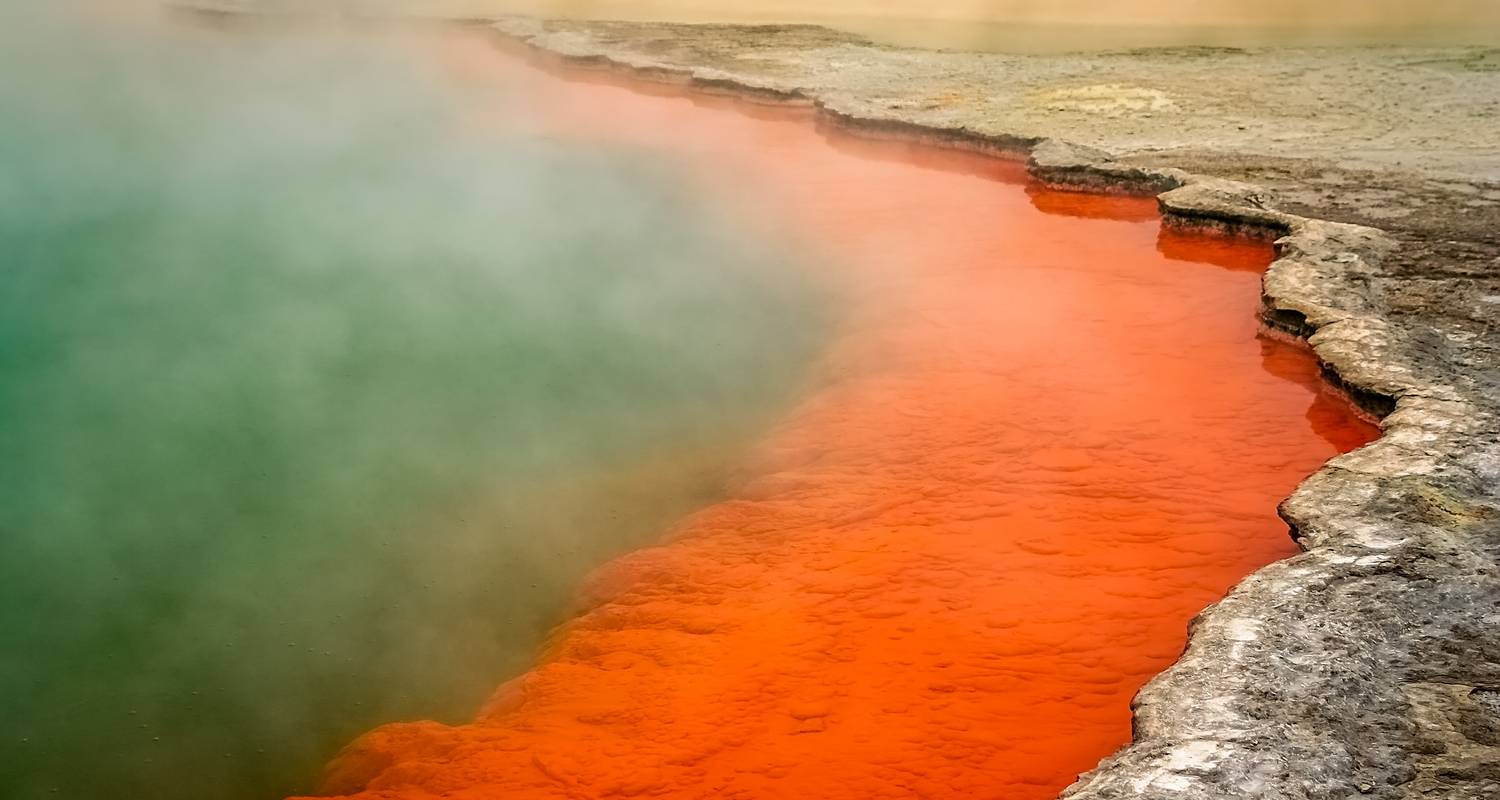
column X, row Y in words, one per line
column 1047, row 436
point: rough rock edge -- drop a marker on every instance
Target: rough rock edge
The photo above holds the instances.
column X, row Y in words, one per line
column 1362, row 666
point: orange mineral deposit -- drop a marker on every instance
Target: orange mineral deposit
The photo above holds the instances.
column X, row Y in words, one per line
column 1046, row 434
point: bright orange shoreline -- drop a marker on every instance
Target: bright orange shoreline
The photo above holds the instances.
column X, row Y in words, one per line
column 1049, row 435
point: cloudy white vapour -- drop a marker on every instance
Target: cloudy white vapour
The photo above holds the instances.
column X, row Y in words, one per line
column 318, row 399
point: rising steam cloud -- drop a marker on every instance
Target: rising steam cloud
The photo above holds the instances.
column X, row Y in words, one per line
column 318, row 399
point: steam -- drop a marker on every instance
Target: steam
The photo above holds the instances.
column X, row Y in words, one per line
column 315, row 406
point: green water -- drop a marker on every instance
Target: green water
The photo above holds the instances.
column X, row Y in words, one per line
column 314, row 411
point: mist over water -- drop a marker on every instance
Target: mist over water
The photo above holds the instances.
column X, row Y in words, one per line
column 316, row 401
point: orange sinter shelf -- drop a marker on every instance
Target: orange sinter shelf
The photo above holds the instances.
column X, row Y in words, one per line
column 1045, row 434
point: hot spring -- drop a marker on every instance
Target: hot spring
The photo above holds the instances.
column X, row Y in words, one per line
column 329, row 375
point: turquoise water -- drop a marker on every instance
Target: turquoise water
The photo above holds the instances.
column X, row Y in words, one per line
column 314, row 410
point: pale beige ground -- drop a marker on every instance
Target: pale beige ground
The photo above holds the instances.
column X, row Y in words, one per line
column 1164, row 13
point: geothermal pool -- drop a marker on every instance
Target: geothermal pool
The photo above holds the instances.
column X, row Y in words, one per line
column 1045, row 433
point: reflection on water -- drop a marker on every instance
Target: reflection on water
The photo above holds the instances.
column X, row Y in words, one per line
column 1226, row 252
column 1050, row 435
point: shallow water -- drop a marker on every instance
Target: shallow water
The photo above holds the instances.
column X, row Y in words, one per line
column 1048, row 434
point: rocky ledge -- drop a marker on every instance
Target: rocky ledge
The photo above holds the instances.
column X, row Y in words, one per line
column 1368, row 665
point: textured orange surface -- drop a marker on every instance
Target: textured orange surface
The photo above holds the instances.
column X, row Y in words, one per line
column 1046, row 436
